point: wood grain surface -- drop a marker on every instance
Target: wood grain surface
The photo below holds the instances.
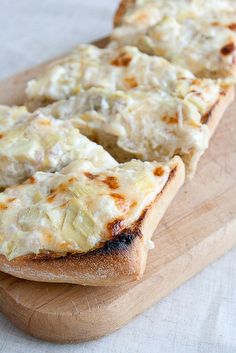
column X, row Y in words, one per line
column 199, row 227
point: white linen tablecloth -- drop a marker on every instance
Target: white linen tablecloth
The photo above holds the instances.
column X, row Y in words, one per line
column 200, row 316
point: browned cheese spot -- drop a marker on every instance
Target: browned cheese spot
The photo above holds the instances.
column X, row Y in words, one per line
column 232, row 26
column 228, row 49
column 196, row 81
column 119, row 200
column 112, row 182
column 115, row 227
column 158, row 171
column 3, row 207
column 90, row 175
column 170, row 119
column 51, row 198
column 131, row 82
column 63, row 186
column 31, row 180
column 123, row 59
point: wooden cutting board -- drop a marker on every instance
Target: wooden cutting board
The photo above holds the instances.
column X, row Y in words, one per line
column 199, row 227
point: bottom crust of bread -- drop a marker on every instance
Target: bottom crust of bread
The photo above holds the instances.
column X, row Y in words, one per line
column 120, row 260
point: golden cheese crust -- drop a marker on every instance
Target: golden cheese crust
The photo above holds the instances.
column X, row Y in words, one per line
column 120, row 260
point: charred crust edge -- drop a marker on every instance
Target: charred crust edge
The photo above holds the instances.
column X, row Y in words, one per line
column 120, row 243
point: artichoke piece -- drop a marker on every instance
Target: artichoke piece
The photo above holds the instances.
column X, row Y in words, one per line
column 79, row 225
column 28, row 218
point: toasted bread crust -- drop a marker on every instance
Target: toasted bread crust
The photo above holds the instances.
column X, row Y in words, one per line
column 122, row 9
column 213, row 117
column 120, row 260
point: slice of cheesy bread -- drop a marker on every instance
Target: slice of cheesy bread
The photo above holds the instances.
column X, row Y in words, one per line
column 207, row 50
column 125, row 69
column 35, row 142
column 146, row 125
column 85, row 225
column 114, row 69
column 198, row 37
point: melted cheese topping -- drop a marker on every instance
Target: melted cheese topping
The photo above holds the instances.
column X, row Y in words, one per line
column 199, row 37
column 121, row 69
column 35, row 142
column 149, row 12
column 149, row 126
column 78, row 209
column 9, row 116
column 198, row 47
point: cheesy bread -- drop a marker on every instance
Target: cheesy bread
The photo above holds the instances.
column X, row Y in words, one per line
column 69, row 211
column 35, row 142
column 114, row 69
column 146, row 125
column 59, row 227
column 199, row 37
